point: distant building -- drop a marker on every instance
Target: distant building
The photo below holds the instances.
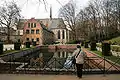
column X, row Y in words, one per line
column 36, row 31
column 56, row 25
column 59, row 28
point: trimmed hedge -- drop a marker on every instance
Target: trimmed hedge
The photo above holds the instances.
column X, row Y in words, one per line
column 34, row 43
column 17, row 46
column 93, row 45
column 27, row 44
column 1, row 47
column 86, row 44
column 82, row 43
column 106, row 49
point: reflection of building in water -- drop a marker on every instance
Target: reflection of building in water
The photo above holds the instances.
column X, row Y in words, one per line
column 41, row 59
column 37, row 61
column 62, row 54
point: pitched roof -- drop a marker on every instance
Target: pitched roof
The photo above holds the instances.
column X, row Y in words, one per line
column 52, row 24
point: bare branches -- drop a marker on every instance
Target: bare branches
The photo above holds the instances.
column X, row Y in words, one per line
column 101, row 19
column 67, row 12
column 9, row 16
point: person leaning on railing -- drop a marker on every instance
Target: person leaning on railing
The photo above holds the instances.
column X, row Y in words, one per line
column 80, row 56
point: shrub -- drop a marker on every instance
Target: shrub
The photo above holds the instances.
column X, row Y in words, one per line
column 34, row 43
column 93, row 45
column 82, row 43
column 17, row 45
column 1, row 47
column 86, row 44
column 106, row 49
column 27, row 44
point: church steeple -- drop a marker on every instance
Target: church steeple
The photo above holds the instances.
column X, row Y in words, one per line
column 50, row 12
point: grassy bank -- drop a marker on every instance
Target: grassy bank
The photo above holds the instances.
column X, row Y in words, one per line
column 115, row 41
column 112, row 58
column 13, row 51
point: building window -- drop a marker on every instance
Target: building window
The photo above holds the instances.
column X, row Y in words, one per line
column 27, row 32
column 37, row 31
column 29, row 25
column 34, row 24
column 37, row 39
column 59, row 34
column 32, row 31
column 63, row 34
column 27, row 39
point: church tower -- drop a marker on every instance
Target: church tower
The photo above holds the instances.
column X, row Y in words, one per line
column 50, row 12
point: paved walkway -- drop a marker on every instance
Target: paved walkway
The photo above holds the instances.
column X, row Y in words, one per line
column 58, row 77
column 100, row 61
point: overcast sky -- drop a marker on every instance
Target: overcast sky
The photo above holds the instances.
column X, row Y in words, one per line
column 32, row 8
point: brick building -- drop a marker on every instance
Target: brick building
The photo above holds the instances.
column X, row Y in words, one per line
column 33, row 30
column 55, row 25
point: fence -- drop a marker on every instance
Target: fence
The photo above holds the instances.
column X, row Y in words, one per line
column 53, row 65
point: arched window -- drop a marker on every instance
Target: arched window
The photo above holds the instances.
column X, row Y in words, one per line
column 59, row 34
column 63, row 34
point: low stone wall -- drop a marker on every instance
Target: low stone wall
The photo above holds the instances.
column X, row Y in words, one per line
column 59, row 46
column 14, row 55
column 66, row 46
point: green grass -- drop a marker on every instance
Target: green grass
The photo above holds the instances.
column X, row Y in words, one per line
column 97, row 52
column 112, row 58
column 13, row 51
column 115, row 40
column 113, row 47
column 9, row 51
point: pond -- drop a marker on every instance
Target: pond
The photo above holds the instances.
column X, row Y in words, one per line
column 45, row 58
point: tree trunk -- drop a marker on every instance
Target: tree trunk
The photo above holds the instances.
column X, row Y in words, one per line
column 8, row 35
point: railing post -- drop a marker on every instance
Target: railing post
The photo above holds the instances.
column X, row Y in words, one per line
column 104, row 65
column 55, row 63
column 24, row 62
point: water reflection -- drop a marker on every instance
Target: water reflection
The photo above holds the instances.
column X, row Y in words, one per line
column 46, row 59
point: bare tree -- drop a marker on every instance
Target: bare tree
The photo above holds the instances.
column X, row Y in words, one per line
column 67, row 12
column 101, row 19
column 9, row 16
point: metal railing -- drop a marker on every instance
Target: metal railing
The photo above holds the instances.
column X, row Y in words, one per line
column 56, row 65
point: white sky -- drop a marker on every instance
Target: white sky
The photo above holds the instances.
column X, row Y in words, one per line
column 32, row 8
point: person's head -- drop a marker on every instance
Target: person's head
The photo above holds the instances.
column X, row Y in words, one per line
column 78, row 46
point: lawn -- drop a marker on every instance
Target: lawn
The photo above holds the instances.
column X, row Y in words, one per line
column 112, row 58
column 13, row 51
column 115, row 40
